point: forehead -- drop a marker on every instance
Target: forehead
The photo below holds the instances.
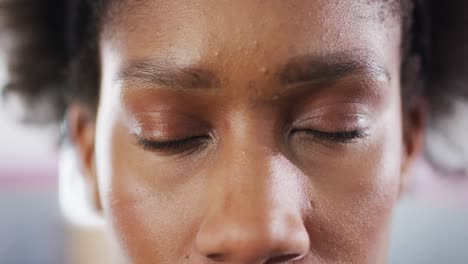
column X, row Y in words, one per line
column 188, row 31
column 382, row 10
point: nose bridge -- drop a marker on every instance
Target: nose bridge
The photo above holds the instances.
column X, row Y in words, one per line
column 243, row 165
column 252, row 219
column 248, row 190
column 248, row 179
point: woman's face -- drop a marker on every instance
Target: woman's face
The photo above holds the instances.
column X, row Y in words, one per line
column 250, row 131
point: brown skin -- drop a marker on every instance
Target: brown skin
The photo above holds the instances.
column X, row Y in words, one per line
column 256, row 90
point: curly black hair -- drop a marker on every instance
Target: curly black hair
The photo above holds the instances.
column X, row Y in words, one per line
column 53, row 51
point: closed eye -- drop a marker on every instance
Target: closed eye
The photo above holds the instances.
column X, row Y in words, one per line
column 333, row 137
column 174, row 146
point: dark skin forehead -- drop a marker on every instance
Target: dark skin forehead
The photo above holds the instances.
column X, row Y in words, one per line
column 296, row 71
column 129, row 14
column 213, row 33
column 115, row 12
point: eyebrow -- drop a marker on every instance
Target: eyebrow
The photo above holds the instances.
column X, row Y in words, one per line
column 298, row 70
column 166, row 74
column 329, row 68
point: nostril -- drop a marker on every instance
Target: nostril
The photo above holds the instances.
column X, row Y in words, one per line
column 283, row 258
column 217, row 257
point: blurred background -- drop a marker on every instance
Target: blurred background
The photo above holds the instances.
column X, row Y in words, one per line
column 430, row 226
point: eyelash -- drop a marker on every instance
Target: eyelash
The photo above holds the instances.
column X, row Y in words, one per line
column 180, row 145
column 343, row 137
column 195, row 142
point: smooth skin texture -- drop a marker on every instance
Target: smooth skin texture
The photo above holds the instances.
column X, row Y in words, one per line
column 249, row 131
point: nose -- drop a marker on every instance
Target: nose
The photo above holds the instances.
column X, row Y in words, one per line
column 254, row 218
column 254, row 238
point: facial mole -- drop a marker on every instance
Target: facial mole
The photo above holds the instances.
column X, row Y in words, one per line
column 264, row 70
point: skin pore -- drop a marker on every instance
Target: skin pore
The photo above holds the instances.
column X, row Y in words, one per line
column 249, row 131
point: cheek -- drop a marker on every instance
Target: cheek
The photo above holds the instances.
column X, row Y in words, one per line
column 151, row 226
column 353, row 196
column 150, row 219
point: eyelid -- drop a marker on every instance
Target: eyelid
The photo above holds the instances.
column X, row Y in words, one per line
column 331, row 139
column 331, row 127
column 332, row 123
column 175, row 146
column 341, row 136
column 165, row 126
